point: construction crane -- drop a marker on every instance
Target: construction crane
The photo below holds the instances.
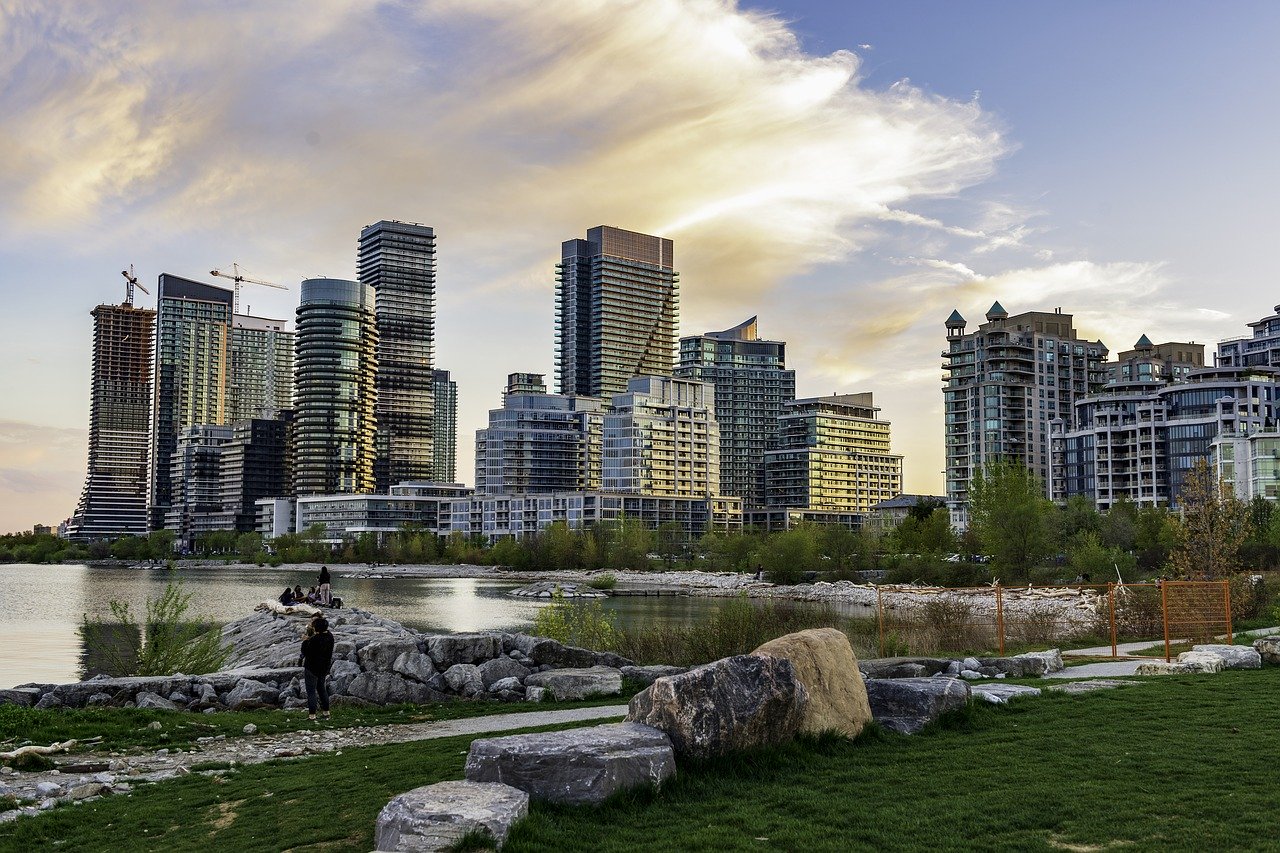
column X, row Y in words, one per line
column 236, row 276
column 132, row 282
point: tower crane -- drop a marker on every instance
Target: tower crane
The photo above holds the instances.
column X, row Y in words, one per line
column 132, row 282
column 236, row 276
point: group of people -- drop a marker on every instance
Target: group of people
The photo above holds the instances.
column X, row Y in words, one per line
column 316, row 658
column 320, row 595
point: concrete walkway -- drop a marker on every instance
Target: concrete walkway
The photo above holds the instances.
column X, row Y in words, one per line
column 1127, row 667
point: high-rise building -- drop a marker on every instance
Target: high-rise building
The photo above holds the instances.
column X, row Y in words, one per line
column 1005, row 385
column 752, row 383
column 398, row 260
column 833, row 455
column 193, row 330
column 661, row 438
column 1260, row 348
column 334, row 393
column 616, row 311
column 114, row 500
column 444, row 448
column 195, row 478
column 260, row 382
column 256, row 463
column 1162, row 363
column 539, row 442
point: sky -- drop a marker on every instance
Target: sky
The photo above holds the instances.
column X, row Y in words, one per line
column 848, row 171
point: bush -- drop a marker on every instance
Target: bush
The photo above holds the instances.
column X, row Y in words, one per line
column 605, row 581
column 577, row 622
column 168, row 644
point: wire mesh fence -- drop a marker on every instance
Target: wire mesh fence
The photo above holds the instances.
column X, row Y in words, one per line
column 1003, row 620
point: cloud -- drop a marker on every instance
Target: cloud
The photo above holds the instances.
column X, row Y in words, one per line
column 41, row 470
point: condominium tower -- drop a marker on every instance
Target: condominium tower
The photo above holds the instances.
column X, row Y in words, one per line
column 1259, row 348
column 661, row 438
column 114, row 500
column 334, row 418
column 193, row 331
column 260, row 382
column 444, row 444
column 616, row 311
column 398, row 261
column 833, row 455
column 1005, row 384
column 752, row 384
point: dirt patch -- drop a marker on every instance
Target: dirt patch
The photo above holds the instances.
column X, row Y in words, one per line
column 226, row 815
column 1060, row 844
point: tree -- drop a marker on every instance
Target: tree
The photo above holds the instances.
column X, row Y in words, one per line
column 628, row 543
column 786, row 556
column 924, row 508
column 1153, row 538
column 1007, row 510
column 930, row 535
column 1209, row 532
column 1095, row 562
column 670, row 537
column 1119, row 527
column 249, row 545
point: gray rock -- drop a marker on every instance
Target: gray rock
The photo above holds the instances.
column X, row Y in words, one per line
column 1159, row 667
column 89, row 789
column 970, row 663
column 500, row 669
column 1267, row 647
column 612, row 660
column 152, row 700
column 504, row 684
column 99, row 699
column 646, row 675
column 554, row 654
column 414, row 665
column 735, row 703
column 155, row 725
column 1075, row 687
column 464, row 679
column 889, row 667
column 24, row 696
column 387, row 688
column 907, row 705
column 567, row 684
column 1234, row 657
column 48, row 789
column 953, row 668
column 577, row 765
column 970, row 674
column 436, row 817
column 450, row 649
column 1052, row 660
column 340, row 675
column 49, row 700
column 1203, row 661
column 905, row 670
column 250, row 729
column 249, row 694
column 381, row 655
column 1000, row 694
column 535, row 694
column 179, row 698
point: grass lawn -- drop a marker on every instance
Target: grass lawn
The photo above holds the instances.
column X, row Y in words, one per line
column 1180, row 763
column 125, row 729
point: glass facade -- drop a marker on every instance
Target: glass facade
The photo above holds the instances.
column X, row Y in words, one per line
column 444, row 446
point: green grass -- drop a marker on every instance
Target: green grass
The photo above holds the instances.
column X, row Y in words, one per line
column 125, row 729
column 326, row 803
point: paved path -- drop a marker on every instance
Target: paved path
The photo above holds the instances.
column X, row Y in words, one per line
column 1109, row 669
column 1125, row 667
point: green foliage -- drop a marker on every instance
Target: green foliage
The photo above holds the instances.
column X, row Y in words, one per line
column 1210, row 529
column 163, row 645
column 787, row 555
column 627, row 543
column 577, row 622
column 1088, row 558
column 39, row 548
column 927, row 534
column 1008, row 512
column 605, row 581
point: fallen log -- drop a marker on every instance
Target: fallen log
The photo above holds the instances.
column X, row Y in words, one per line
column 65, row 746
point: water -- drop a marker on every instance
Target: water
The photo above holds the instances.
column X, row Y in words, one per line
column 41, row 607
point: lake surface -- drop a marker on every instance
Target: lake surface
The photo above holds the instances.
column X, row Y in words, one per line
column 41, row 607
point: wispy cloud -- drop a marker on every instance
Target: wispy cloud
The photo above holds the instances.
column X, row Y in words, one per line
column 41, row 470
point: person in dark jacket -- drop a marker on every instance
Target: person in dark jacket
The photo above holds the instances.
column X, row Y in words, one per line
column 286, row 597
column 326, row 591
column 316, row 659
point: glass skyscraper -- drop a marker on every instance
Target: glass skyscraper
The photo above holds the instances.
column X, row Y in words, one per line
column 616, row 311
column 114, row 500
column 334, row 418
column 444, row 448
column 398, row 261
column 260, row 382
column 752, row 384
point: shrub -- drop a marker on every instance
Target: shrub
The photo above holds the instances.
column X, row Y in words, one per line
column 577, row 622
column 605, row 581
column 168, row 644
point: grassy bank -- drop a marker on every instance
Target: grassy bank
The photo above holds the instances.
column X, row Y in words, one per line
column 1181, row 763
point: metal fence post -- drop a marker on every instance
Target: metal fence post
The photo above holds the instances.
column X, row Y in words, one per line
column 880, row 618
column 1000, row 617
column 1226, row 596
column 1164, row 617
column 1111, row 596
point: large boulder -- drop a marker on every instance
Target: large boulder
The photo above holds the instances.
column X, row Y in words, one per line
column 907, row 705
column 1268, row 648
column 387, row 688
column 436, row 817
column 551, row 653
column 447, row 649
column 154, row 700
column 1203, row 661
column 464, row 679
column 249, row 694
column 1000, row 694
column 576, row 765
column 381, row 655
column 341, row 674
column 735, row 703
column 646, row 675
column 24, row 696
column 825, row 664
column 1052, row 660
column 414, row 664
column 1208, row 664
column 567, row 684
column 903, row 667
column 499, row 669
column 1233, row 657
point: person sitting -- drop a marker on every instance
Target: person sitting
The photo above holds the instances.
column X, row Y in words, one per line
column 286, row 597
column 297, row 595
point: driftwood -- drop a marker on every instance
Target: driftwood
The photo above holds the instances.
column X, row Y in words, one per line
column 65, row 746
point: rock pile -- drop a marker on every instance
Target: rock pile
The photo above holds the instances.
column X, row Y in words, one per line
column 549, row 589
column 376, row 661
column 1027, row 665
column 1208, row 658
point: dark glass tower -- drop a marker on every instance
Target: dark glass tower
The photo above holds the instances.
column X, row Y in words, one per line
column 398, row 260
column 334, row 396
column 616, row 311
column 114, row 500
column 445, row 445
column 752, row 384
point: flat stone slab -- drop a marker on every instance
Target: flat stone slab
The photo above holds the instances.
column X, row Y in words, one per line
column 565, row 684
column 1268, row 648
column 1233, row 657
column 907, row 705
column 1178, row 667
column 436, row 817
column 1076, row 687
column 1000, row 694
column 576, row 765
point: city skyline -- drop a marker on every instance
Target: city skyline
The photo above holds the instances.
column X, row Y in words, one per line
column 1120, row 182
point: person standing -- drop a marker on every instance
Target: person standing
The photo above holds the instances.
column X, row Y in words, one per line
column 326, row 594
column 316, row 660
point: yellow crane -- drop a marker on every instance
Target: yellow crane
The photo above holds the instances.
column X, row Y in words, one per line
column 236, row 276
column 132, row 282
